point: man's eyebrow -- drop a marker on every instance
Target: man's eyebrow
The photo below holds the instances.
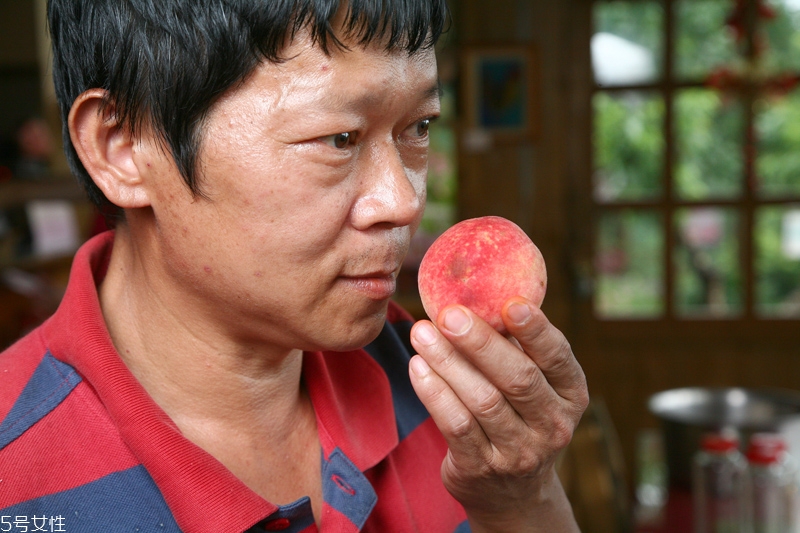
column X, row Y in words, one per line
column 435, row 90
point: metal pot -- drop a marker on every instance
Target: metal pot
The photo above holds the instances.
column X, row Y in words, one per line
column 686, row 414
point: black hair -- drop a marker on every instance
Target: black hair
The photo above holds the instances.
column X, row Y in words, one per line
column 164, row 63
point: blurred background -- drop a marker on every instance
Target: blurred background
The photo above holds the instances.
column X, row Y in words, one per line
column 650, row 148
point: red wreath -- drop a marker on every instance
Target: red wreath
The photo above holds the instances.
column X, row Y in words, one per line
column 725, row 78
column 737, row 21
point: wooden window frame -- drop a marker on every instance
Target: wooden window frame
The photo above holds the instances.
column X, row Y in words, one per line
column 669, row 326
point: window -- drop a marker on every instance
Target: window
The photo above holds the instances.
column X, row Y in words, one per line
column 696, row 160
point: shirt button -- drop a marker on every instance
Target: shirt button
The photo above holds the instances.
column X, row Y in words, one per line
column 279, row 524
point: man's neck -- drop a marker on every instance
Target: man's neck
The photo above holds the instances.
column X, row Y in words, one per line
column 196, row 373
column 243, row 404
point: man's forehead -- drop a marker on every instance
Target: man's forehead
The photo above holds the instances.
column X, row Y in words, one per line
column 371, row 65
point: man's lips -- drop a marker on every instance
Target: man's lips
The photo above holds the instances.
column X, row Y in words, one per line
column 378, row 285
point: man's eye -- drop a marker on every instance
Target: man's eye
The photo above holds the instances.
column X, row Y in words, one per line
column 422, row 127
column 339, row 140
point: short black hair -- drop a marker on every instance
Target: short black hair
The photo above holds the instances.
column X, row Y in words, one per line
column 164, row 63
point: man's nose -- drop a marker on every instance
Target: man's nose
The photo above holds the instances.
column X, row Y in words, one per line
column 393, row 188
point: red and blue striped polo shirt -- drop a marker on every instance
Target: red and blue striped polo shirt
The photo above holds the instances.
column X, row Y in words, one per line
column 83, row 447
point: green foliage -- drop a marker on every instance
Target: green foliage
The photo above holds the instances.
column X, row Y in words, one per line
column 442, row 176
column 710, row 134
column 778, row 163
column 630, row 264
column 778, row 278
column 629, row 146
column 723, row 295
column 702, row 41
column 782, row 41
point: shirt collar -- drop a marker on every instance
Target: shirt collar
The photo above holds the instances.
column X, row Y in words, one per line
column 353, row 402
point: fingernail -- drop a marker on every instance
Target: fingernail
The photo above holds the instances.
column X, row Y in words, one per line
column 456, row 321
column 419, row 367
column 519, row 313
column 424, row 333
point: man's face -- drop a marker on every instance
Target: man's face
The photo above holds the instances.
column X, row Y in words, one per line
column 313, row 174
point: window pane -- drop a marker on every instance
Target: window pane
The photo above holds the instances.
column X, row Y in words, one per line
column 629, row 146
column 782, row 50
column 777, row 248
column 440, row 208
column 627, row 44
column 778, row 159
column 703, row 41
column 708, row 277
column 629, row 265
column 709, row 127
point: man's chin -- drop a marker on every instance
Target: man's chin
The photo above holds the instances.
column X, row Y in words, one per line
column 357, row 334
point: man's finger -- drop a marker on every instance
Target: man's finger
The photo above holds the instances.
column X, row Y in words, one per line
column 498, row 382
column 548, row 348
column 462, row 432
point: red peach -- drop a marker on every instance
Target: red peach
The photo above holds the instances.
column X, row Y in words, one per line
column 481, row 263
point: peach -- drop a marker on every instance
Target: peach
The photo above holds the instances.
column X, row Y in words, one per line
column 481, row 263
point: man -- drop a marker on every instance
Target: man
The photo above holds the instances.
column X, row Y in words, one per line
column 265, row 163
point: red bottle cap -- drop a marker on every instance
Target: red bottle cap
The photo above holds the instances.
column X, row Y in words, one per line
column 766, row 448
column 719, row 442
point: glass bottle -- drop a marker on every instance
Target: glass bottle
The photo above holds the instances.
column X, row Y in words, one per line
column 773, row 484
column 719, row 485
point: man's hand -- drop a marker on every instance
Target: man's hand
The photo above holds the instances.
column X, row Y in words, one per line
column 507, row 407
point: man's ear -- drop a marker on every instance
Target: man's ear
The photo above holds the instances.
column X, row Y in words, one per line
column 106, row 150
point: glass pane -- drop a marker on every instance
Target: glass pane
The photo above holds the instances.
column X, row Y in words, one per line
column 781, row 51
column 709, row 127
column 777, row 261
column 627, row 44
column 704, row 42
column 778, row 156
column 628, row 146
column 442, row 180
column 708, row 277
column 629, row 265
